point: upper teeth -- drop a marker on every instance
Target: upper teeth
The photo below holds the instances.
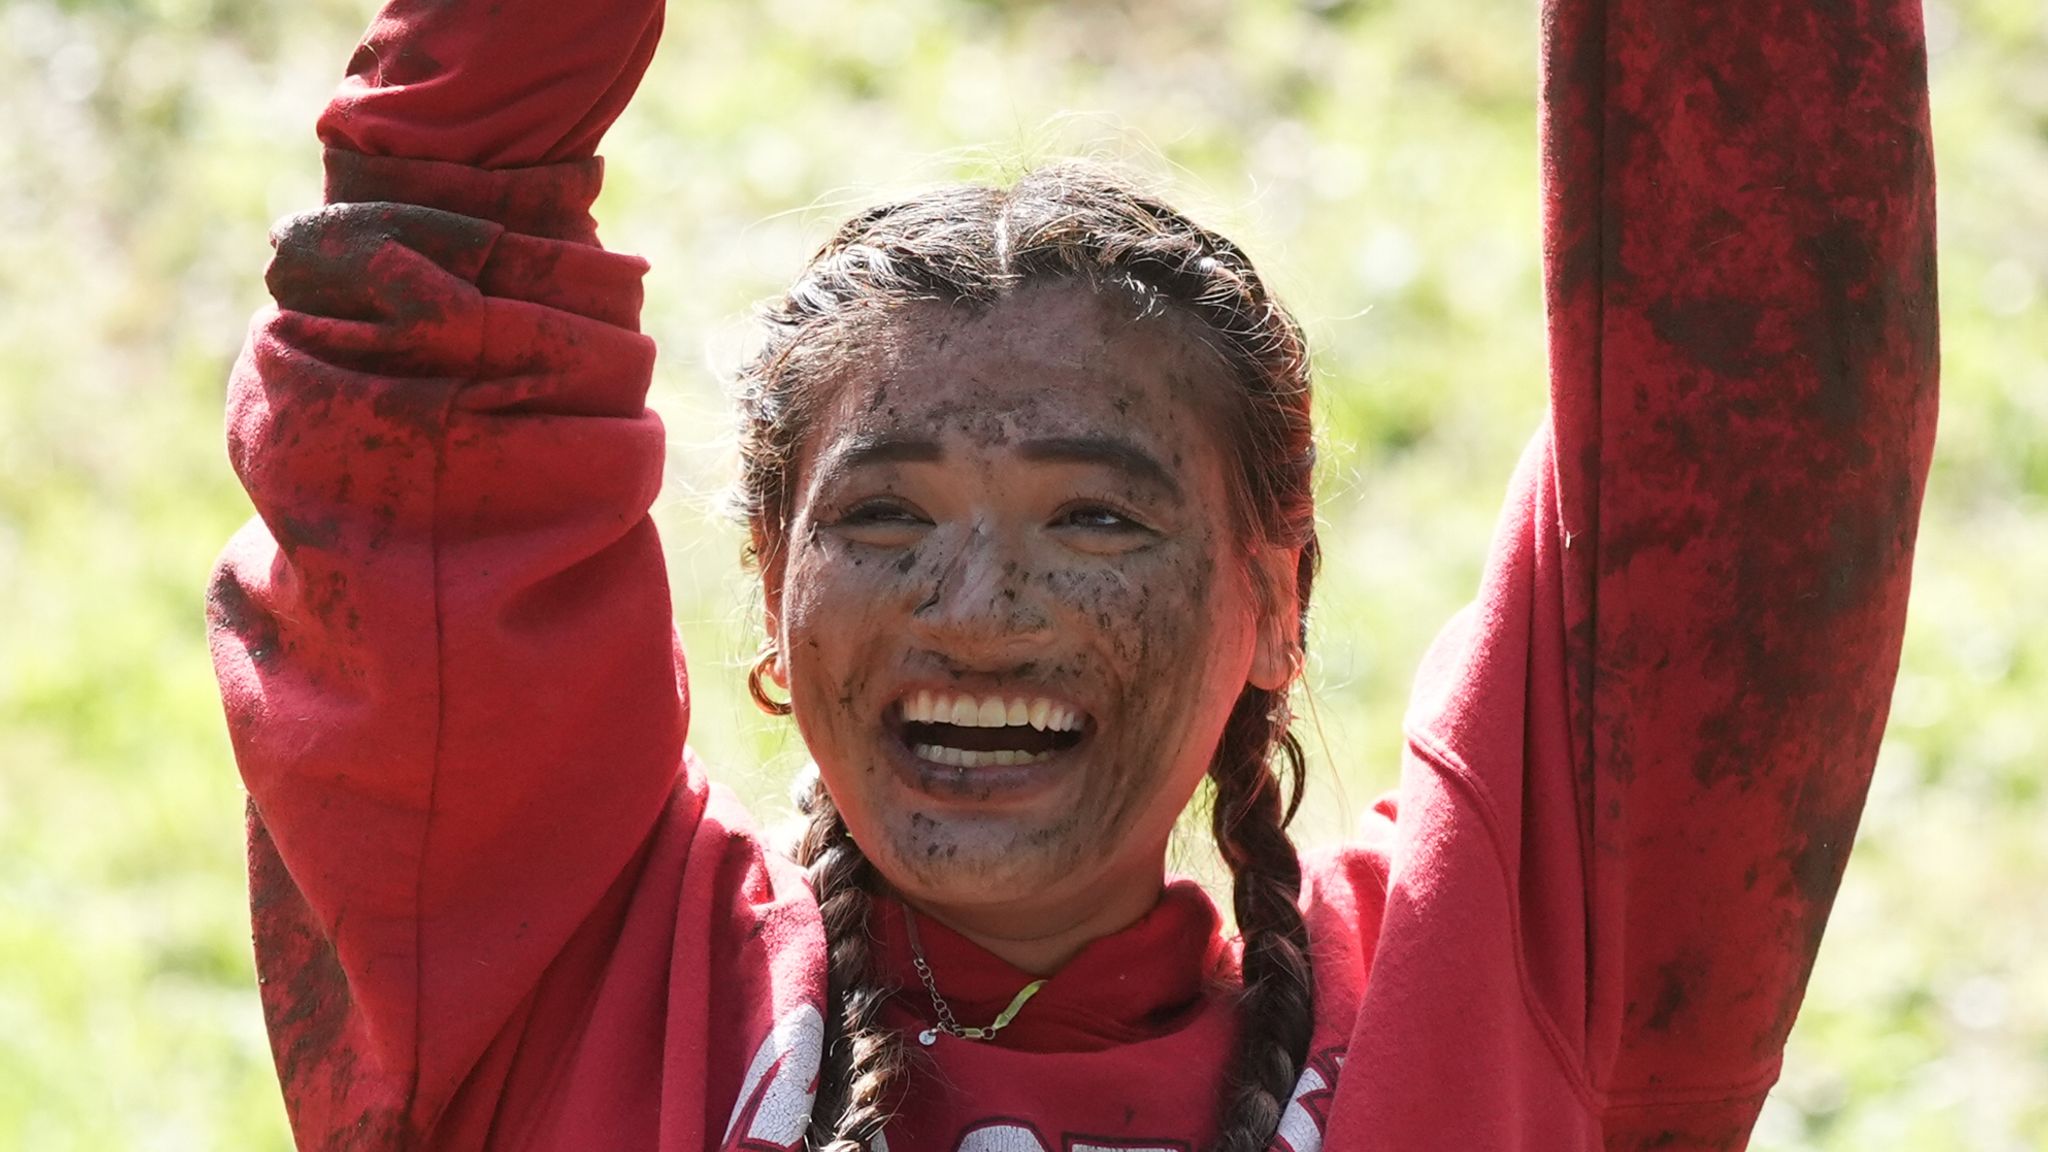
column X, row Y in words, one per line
column 927, row 707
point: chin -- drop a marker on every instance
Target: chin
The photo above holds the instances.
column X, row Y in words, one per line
column 950, row 859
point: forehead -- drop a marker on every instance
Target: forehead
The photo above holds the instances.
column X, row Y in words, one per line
column 1056, row 358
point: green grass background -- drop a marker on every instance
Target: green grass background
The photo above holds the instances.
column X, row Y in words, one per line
column 1377, row 158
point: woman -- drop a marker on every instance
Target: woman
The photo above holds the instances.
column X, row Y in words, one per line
column 1027, row 474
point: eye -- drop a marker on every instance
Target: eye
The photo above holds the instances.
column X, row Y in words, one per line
column 881, row 512
column 1092, row 523
column 1101, row 529
column 882, row 522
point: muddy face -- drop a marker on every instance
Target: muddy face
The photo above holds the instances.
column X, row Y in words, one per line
column 1014, row 608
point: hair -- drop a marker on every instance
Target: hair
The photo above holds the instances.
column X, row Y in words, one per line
column 971, row 245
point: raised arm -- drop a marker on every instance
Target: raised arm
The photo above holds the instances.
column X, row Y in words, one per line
column 1667, row 703
column 1744, row 359
column 445, row 646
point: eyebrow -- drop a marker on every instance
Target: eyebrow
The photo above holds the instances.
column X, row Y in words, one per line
column 886, row 448
column 1100, row 451
column 1104, row 451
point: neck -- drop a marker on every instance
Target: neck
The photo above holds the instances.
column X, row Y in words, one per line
column 1040, row 937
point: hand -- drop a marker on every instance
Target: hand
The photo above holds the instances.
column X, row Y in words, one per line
column 492, row 83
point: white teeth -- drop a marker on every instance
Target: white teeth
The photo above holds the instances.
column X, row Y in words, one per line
column 970, row 758
column 927, row 707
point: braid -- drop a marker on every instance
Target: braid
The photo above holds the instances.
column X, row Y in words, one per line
column 1250, row 821
column 864, row 1059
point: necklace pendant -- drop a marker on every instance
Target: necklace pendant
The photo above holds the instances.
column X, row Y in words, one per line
column 928, row 1037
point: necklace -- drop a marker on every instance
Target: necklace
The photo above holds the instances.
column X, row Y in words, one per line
column 944, row 1011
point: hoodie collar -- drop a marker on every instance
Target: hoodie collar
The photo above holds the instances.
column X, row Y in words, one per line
column 1144, row 981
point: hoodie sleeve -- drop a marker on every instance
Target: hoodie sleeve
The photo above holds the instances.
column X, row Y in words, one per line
column 510, row 84
column 445, row 645
column 1667, row 701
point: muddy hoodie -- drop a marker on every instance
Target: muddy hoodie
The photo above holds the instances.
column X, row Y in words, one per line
column 497, row 905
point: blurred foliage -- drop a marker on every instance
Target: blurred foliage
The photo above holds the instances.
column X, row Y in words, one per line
column 1378, row 159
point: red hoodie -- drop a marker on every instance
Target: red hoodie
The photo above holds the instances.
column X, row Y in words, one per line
column 497, row 905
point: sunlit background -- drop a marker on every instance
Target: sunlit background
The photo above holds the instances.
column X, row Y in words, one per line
column 1378, row 160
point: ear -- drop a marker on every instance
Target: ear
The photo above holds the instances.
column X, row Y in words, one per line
column 771, row 613
column 778, row 668
column 1276, row 655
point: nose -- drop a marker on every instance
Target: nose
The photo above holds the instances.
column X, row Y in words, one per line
column 984, row 609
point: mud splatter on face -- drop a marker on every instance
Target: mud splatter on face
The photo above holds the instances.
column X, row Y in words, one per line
column 1022, row 503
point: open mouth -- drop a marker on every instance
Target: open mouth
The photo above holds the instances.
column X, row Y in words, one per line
column 963, row 731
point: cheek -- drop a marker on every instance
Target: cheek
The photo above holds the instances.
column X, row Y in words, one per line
column 827, row 608
column 1154, row 613
column 1184, row 642
column 824, row 577
column 840, row 605
column 1178, row 644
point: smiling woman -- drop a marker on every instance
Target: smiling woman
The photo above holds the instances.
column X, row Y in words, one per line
column 1027, row 472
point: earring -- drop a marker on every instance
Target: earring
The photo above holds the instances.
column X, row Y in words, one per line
column 758, row 689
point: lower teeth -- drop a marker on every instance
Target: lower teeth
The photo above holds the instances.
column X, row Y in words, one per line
column 973, row 758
